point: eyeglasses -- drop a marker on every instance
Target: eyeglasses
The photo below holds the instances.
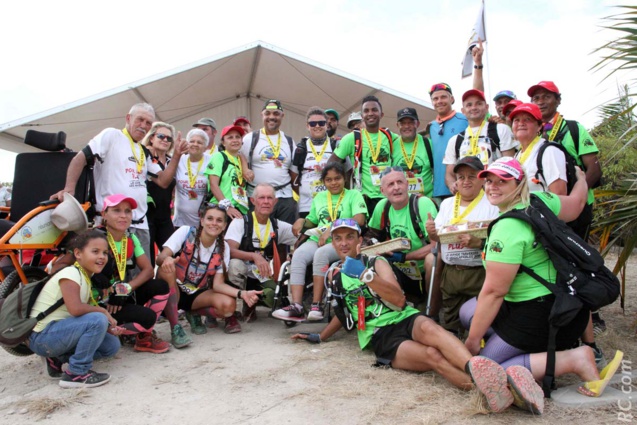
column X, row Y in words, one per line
column 315, row 123
column 388, row 170
column 163, row 137
column 442, row 129
column 439, row 86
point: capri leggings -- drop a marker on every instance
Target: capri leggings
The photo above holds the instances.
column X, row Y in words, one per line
column 310, row 253
column 495, row 348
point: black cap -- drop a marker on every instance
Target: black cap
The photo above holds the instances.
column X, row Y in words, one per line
column 273, row 104
column 407, row 113
column 470, row 161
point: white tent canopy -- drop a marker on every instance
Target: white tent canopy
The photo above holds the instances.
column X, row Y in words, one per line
column 221, row 87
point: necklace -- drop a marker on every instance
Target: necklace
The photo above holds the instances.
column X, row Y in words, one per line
column 192, row 179
column 371, row 148
column 334, row 212
column 319, row 156
column 120, row 256
column 473, row 139
column 275, row 150
column 237, row 163
column 87, row 278
column 138, row 160
column 263, row 239
column 556, row 127
column 528, row 150
column 470, row 207
column 409, row 160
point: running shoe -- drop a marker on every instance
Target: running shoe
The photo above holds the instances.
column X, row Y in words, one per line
column 88, row 380
column 179, row 338
column 53, row 367
column 196, row 325
column 151, row 343
column 290, row 312
column 232, row 325
column 316, row 313
column 527, row 394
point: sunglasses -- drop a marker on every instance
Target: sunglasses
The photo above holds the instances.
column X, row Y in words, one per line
column 163, row 137
column 390, row 169
column 205, row 206
column 439, row 86
column 345, row 221
column 442, row 129
column 315, row 123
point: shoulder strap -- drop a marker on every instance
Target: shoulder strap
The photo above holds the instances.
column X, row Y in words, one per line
column 387, row 134
column 569, row 164
column 253, row 144
column 573, row 128
column 384, row 220
column 246, row 240
column 226, row 163
column 459, row 140
column 358, row 143
column 492, row 134
column 333, row 144
column 300, row 154
column 290, row 144
column 430, row 154
column 416, row 221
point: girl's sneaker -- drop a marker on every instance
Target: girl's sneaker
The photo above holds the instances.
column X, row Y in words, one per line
column 88, row 380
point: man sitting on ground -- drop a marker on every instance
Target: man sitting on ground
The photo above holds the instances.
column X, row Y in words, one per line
column 404, row 338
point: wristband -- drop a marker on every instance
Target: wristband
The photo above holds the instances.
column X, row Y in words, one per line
column 312, row 338
column 239, row 294
column 225, row 203
column 397, row 257
column 478, row 66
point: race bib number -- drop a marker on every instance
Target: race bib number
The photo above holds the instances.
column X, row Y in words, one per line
column 376, row 171
column 410, row 269
column 316, row 187
column 415, row 185
column 188, row 288
column 239, row 194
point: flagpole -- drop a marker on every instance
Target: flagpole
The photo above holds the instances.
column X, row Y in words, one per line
column 488, row 69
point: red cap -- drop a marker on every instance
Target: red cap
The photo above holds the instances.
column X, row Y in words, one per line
column 227, row 129
column 547, row 85
column 529, row 108
column 511, row 105
column 113, row 200
column 506, row 168
column 473, row 92
column 241, row 119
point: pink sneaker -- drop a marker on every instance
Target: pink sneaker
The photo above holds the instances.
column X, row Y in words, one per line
column 491, row 380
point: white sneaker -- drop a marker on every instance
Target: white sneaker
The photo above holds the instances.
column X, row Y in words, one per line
column 315, row 313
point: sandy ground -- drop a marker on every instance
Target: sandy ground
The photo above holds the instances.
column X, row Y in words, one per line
column 260, row 376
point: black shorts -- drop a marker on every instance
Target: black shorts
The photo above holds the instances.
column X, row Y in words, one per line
column 386, row 340
column 186, row 300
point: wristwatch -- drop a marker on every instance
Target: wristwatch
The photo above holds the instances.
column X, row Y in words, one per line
column 368, row 276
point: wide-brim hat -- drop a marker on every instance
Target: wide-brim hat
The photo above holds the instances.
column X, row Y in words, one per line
column 69, row 216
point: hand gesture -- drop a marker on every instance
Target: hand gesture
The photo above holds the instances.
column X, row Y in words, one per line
column 477, row 52
column 430, row 226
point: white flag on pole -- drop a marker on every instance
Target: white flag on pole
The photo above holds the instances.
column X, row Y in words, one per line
column 477, row 33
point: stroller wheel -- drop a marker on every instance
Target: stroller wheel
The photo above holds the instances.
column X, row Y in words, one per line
column 290, row 323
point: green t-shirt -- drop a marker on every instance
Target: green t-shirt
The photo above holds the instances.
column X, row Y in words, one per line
column 229, row 181
column 421, row 175
column 352, row 204
column 370, row 170
column 401, row 226
column 586, row 146
column 379, row 315
column 512, row 242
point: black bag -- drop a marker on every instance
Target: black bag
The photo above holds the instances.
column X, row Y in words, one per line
column 15, row 309
column 583, row 281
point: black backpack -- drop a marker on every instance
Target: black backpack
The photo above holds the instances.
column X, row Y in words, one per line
column 583, row 281
column 300, row 154
column 492, row 134
column 15, row 309
column 571, row 174
column 416, row 220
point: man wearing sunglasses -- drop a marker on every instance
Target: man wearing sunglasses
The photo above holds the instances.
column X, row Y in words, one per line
column 122, row 164
column 369, row 150
column 447, row 124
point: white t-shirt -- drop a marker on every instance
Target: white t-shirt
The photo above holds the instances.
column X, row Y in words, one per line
column 188, row 199
column 453, row 253
column 311, row 183
column 5, row 196
column 236, row 229
column 268, row 169
column 484, row 145
column 553, row 162
column 177, row 240
column 117, row 173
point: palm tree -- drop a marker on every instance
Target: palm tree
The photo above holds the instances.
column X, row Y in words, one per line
column 616, row 219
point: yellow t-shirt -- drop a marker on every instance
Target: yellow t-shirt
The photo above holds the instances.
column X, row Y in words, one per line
column 52, row 292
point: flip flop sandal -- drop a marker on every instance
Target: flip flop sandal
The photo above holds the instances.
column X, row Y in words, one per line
column 527, row 394
column 596, row 388
column 491, row 380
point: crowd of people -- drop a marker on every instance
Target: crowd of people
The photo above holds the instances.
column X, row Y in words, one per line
column 203, row 227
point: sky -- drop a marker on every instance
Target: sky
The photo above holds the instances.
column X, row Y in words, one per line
column 60, row 52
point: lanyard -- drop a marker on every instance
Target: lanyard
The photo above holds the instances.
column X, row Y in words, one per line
column 409, row 160
column 556, row 127
column 473, row 139
column 138, row 160
column 277, row 150
column 319, row 156
column 527, row 152
column 334, row 212
column 192, row 179
column 263, row 239
column 369, row 143
column 120, row 256
column 91, row 299
column 237, row 163
column 456, row 207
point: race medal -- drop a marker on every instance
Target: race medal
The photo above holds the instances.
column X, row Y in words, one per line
column 239, row 195
column 415, row 185
column 192, row 195
column 375, row 171
column 410, row 269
